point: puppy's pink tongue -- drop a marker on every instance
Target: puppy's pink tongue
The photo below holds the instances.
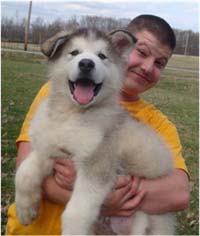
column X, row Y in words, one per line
column 83, row 94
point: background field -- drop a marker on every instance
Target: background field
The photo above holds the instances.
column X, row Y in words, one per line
column 176, row 95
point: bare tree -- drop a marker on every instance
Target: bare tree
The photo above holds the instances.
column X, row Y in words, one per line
column 38, row 30
column 13, row 31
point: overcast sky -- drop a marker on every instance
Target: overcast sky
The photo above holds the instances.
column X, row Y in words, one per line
column 179, row 14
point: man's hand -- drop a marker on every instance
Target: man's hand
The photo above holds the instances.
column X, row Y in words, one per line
column 64, row 173
column 58, row 187
column 125, row 199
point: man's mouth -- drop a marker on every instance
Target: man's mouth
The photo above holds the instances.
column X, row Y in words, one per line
column 84, row 90
column 141, row 76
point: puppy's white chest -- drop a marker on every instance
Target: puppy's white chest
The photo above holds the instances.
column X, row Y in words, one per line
column 80, row 139
column 73, row 135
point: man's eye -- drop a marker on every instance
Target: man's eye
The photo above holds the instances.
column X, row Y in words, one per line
column 102, row 56
column 74, row 53
column 142, row 53
column 160, row 64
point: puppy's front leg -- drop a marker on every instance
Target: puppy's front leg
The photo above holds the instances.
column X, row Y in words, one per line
column 28, row 182
column 84, row 206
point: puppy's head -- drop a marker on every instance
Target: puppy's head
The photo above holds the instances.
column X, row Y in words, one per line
column 88, row 64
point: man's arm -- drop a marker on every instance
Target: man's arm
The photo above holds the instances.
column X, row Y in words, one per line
column 24, row 148
column 166, row 194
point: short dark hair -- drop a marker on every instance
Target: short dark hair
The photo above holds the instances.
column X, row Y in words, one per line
column 155, row 25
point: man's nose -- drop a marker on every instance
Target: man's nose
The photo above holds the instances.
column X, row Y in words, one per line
column 147, row 65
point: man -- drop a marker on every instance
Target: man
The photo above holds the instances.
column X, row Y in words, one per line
column 154, row 48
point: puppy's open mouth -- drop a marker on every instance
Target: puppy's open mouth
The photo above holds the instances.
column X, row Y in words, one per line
column 84, row 90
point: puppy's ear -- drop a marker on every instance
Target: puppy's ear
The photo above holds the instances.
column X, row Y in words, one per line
column 51, row 45
column 123, row 40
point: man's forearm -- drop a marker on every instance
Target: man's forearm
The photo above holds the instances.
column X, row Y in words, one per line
column 166, row 194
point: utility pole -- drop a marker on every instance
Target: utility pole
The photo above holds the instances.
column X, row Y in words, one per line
column 27, row 27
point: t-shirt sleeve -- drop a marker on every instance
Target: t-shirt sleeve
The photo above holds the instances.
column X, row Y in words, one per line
column 42, row 94
column 168, row 132
column 165, row 128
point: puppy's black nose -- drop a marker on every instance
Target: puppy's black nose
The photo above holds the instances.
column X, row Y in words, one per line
column 86, row 65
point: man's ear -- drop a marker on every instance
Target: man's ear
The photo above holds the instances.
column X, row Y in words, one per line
column 51, row 45
column 123, row 40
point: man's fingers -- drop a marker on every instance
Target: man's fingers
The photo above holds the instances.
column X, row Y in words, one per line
column 122, row 187
column 129, row 194
column 115, row 197
column 61, row 169
column 59, row 179
column 63, row 182
column 64, row 161
column 135, row 184
column 126, row 213
column 122, row 181
column 134, row 202
column 121, row 192
column 134, row 189
column 64, row 169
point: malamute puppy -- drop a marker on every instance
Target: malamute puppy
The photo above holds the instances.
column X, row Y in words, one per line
column 81, row 116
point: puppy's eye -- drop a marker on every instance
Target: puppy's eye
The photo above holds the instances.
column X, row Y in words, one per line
column 74, row 53
column 102, row 56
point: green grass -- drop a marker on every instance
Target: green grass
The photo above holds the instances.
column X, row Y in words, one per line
column 22, row 76
column 176, row 95
column 184, row 62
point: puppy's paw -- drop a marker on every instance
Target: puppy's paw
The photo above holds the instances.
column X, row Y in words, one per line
column 27, row 207
column 26, row 215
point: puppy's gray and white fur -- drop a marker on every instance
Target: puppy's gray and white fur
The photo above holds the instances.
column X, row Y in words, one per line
column 100, row 136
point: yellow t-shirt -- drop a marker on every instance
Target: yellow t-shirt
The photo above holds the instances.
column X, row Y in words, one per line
column 48, row 221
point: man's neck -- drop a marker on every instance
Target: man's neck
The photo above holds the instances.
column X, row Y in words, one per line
column 125, row 97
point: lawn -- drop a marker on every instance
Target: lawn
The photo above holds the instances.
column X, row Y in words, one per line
column 176, row 95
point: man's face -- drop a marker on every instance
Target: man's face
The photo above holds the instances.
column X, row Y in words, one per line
column 145, row 63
